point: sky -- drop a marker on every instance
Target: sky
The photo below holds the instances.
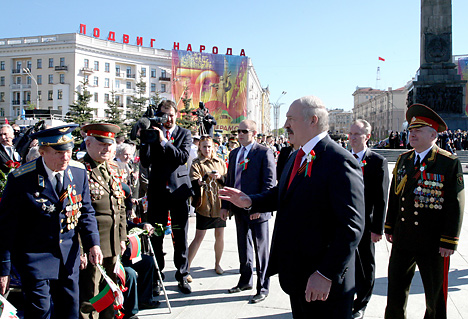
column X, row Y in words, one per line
column 312, row 47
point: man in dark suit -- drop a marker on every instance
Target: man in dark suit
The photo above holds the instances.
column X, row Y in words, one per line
column 8, row 153
column 375, row 170
column 424, row 218
column 44, row 203
column 320, row 219
column 252, row 170
column 169, row 186
column 107, row 198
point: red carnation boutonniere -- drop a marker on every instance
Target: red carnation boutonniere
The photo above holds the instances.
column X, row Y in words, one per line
column 244, row 164
column 310, row 160
column 363, row 163
column 172, row 140
column 12, row 164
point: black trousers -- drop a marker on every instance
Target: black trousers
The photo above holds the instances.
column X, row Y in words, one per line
column 401, row 270
column 157, row 213
column 63, row 293
column 365, row 272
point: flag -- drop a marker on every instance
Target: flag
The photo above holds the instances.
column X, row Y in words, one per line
column 135, row 248
column 381, row 59
column 7, row 310
column 120, row 271
column 6, row 121
column 103, row 300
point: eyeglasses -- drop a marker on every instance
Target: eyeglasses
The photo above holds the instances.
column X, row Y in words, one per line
column 243, row 131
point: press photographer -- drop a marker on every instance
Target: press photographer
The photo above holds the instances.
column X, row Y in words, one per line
column 205, row 120
column 166, row 147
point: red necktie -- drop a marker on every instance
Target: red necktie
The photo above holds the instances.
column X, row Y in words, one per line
column 297, row 164
column 167, row 135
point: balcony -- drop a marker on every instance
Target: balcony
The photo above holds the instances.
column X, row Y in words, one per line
column 87, row 70
column 130, row 76
column 17, row 71
column 119, row 74
column 25, row 102
column 164, row 78
column 61, row 68
column 20, row 86
column 16, row 102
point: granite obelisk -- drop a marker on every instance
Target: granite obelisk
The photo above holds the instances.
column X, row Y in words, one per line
column 437, row 82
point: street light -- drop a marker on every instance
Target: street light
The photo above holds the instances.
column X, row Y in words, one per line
column 276, row 108
column 28, row 72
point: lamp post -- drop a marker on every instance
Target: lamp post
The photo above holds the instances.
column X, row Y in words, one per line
column 28, row 72
column 276, row 108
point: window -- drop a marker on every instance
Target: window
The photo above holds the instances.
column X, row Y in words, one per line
column 96, row 65
column 51, row 62
column 153, row 87
column 163, row 73
column 18, row 66
column 2, row 81
column 62, row 61
column 163, row 88
column 153, row 73
column 39, row 95
column 50, row 95
column 117, row 84
column 96, row 97
column 2, row 112
column 129, row 85
column 86, row 79
column 2, row 65
column 29, row 65
column 62, row 78
column 39, row 79
column 86, row 63
column 96, row 81
column 117, row 100
column 59, row 94
column 2, row 96
column 106, row 82
column 107, row 67
column 39, row 63
column 117, row 70
column 129, row 71
column 143, row 72
column 28, row 80
column 18, row 80
column 51, row 79
column 129, row 100
column 106, row 97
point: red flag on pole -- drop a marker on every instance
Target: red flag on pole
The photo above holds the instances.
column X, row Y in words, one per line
column 381, row 59
column 6, row 121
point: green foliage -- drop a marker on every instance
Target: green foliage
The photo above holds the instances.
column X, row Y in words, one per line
column 79, row 112
column 114, row 111
column 137, row 104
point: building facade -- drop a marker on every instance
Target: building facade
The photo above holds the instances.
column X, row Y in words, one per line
column 46, row 71
column 339, row 121
column 383, row 109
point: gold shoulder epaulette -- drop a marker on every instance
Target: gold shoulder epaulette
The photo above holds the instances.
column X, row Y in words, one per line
column 26, row 168
column 77, row 164
column 446, row 153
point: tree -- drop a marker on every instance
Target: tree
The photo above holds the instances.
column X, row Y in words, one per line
column 114, row 111
column 187, row 119
column 79, row 111
column 138, row 103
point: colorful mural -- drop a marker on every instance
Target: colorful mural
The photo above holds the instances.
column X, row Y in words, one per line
column 220, row 81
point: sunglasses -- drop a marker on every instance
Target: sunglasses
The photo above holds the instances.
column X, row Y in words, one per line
column 243, row 131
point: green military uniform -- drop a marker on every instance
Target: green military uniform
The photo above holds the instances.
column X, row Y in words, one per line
column 107, row 198
column 425, row 211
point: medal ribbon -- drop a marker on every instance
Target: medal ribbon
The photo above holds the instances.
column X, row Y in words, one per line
column 310, row 160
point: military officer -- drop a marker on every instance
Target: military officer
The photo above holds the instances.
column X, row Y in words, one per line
column 424, row 216
column 44, row 203
column 107, row 198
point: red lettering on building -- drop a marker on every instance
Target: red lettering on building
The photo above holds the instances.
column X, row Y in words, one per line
column 139, row 40
column 111, row 36
column 152, row 41
column 215, row 50
column 83, row 28
column 96, row 32
column 126, row 38
column 176, row 46
column 189, row 47
column 242, row 52
column 202, row 48
column 229, row 51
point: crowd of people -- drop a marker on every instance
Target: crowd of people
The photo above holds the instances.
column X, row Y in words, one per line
column 60, row 218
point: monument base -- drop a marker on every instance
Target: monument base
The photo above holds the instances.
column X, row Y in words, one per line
column 455, row 121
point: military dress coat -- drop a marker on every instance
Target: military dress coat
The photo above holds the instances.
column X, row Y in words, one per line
column 425, row 207
column 108, row 202
column 38, row 230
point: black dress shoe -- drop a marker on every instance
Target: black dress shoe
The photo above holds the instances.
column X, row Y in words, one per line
column 358, row 315
column 149, row 305
column 184, row 287
column 239, row 289
column 258, row 298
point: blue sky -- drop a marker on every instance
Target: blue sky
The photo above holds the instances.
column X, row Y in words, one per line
column 323, row 48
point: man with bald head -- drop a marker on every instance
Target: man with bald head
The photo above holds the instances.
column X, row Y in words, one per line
column 320, row 219
column 252, row 170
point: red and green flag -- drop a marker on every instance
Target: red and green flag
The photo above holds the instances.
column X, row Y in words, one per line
column 103, row 300
column 135, row 248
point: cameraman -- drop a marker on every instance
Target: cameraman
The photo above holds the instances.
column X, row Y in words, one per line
column 205, row 120
column 169, row 186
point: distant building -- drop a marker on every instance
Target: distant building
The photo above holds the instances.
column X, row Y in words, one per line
column 339, row 121
column 384, row 110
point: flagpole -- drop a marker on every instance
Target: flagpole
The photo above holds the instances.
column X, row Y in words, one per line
column 150, row 246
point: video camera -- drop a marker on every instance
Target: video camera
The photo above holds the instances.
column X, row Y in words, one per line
column 201, row 112
column 152, row 117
